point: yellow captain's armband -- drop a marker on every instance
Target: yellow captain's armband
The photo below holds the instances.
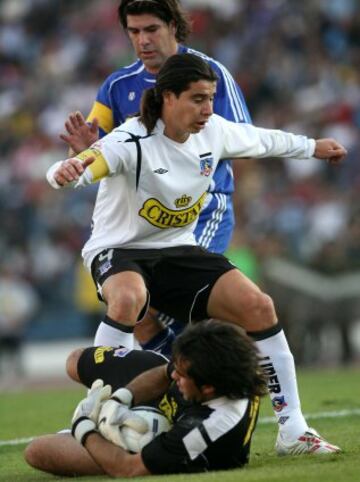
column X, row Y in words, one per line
column 99, row 168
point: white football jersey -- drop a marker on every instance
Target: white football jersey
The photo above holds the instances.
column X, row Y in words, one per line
column 152, row 188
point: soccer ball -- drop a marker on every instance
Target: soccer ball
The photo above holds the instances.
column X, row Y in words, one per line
column 157, row 422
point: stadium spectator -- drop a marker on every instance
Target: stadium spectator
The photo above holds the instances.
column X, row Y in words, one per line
column 19, row 303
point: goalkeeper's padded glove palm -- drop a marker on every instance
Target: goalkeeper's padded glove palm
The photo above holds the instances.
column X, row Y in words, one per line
column 86, row 413
column 116, row 413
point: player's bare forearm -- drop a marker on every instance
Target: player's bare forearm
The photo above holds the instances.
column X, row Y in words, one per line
column 114, row 461
column 149, row 385
column 330, row 150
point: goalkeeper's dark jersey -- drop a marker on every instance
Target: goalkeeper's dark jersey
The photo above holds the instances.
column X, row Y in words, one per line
column 214, row 435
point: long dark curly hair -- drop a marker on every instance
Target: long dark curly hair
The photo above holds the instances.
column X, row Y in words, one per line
column 222, row 355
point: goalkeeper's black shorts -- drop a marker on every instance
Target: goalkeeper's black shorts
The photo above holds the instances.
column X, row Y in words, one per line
column 116, row 366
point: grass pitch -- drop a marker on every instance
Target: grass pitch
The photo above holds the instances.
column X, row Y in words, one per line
column 331, row 398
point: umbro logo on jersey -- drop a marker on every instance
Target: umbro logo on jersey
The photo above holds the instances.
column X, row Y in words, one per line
column 131, row 95
column 160, row 171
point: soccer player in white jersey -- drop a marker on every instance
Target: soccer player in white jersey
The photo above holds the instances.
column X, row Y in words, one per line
column 154, row 173
column 157, row 30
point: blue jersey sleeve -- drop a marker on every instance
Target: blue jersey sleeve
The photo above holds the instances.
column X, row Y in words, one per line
column 102, row 109
column 103, row 93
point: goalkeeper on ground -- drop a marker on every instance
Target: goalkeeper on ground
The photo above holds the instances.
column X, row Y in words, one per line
column 210, row 393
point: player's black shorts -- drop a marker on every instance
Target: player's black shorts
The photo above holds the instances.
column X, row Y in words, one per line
column 179, row 280
column 115, row 366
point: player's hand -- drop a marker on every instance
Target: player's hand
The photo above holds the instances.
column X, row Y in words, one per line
column 71, row 169
column 87, row 412
column 116, row 413
column 80, row 135
column 330, row 150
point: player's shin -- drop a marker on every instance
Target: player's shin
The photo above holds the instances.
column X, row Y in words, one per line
column 112, row 333
column 278, row 364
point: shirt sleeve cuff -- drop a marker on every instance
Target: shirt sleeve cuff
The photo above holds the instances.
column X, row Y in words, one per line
column 50, row 175
column 311, row 147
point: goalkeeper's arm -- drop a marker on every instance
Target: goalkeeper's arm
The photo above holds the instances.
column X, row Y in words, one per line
column 149, row 385
column 115, row 461
column 116, row 412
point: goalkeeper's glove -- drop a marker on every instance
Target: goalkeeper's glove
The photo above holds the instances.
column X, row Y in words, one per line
column 86, row 413
column 116, row 413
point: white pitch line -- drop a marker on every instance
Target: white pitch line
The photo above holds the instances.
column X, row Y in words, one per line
column 17, row 441
column 262, row 421
column 315, row 416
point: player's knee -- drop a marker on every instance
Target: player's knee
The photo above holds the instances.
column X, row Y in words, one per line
column 72, row 364
column 127, row 301
column 268, row 308
column 260, row 306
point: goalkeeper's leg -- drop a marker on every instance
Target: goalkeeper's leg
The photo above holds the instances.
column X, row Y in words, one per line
column 115, row 366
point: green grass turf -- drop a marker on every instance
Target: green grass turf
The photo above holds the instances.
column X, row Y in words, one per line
column 33, row 413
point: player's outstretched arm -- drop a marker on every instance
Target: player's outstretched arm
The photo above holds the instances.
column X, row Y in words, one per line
column 80, row 134
column 114, row 461
column 85, row 452
column 68, row 172
column 330, row 150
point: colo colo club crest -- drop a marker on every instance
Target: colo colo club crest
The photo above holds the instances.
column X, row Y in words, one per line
column 206, row 164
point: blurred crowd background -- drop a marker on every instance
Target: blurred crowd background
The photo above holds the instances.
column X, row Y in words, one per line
column 298, row 64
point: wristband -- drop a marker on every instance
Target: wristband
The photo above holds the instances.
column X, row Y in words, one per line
column 81, row 428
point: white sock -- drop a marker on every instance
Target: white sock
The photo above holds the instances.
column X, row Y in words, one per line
column 107, row 335
column 278, row 364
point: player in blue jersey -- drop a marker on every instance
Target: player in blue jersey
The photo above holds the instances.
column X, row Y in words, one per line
column 156, row 29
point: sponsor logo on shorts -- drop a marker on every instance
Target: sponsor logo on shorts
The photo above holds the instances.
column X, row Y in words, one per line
column 99, row 353
column 162, row 217
column 104, row 267
column 161, row 170
column 278, row 403
column 121, row 352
